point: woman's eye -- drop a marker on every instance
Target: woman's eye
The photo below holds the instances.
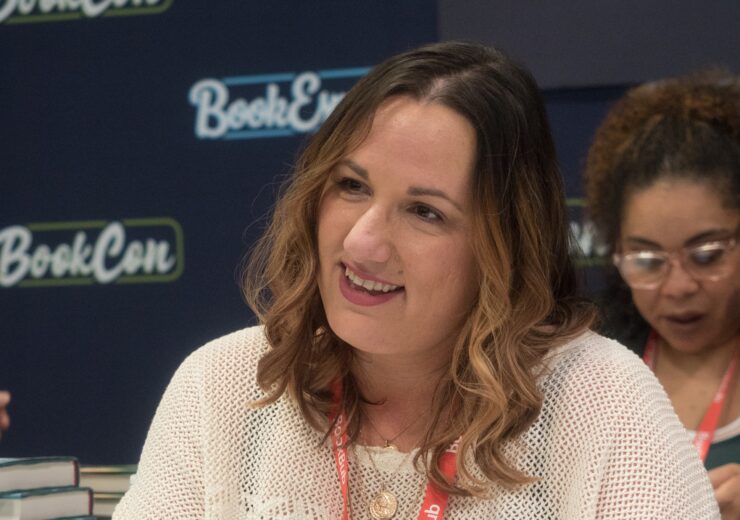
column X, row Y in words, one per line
column 426, row 213
column 352, row 186
column 706, row 256
column 648, row 263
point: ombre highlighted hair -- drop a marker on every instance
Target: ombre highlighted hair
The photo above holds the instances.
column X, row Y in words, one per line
column 527, row 303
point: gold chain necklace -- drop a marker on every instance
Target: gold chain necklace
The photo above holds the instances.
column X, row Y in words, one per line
column 389, row 442
column 384, row 504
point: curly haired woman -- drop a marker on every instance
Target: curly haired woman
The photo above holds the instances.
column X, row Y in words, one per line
column 663, row 189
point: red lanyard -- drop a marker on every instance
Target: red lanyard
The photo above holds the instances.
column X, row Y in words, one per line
column 705, row 433
column 435, row 499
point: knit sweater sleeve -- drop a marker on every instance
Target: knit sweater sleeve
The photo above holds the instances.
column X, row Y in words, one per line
column 651, row 458
column 637, row 459
column 169, row 482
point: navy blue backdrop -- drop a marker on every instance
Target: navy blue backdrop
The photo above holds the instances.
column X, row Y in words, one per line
column 139, row 148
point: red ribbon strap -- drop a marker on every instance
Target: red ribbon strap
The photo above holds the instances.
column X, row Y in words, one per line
column 705, row 433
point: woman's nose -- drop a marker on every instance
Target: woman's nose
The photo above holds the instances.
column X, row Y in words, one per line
column 369, row 238
column 678, row 281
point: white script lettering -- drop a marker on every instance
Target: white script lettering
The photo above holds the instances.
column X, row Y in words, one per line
column 306, row 109
column 109, row 258
column 89, row 8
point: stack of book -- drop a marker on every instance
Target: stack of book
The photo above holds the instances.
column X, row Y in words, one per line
column 108, row 483
column 42, row 488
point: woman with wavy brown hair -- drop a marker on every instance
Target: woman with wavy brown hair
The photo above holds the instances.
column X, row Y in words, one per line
column 422, row 351
column 663, row 186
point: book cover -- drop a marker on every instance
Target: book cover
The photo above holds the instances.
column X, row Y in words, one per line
column 38, row 472
column 105, row 503
column 107, row 479
column 34, row 504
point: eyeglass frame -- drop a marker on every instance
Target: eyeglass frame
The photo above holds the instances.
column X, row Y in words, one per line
column 680, row 255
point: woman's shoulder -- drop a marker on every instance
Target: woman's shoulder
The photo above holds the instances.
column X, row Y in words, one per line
column 591, row 348
column 597, row 391
column 228, row 361
column 599, row 368
column 241, row 345
column 605, row 416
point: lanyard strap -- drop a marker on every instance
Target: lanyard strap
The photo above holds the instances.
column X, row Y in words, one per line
column 339, row 445
column 435, row 499
column 708, row 426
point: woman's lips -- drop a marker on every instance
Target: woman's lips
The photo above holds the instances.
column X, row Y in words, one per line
column 368, row 282
column 683, row 324
column 362, row 295
column 683, row 319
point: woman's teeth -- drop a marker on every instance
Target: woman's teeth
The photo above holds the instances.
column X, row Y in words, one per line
column 368, row 284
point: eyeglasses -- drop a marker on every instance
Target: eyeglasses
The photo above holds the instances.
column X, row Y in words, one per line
column 710, row 261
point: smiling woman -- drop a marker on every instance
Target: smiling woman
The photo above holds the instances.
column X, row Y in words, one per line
column 422, row 350
column 401, row 198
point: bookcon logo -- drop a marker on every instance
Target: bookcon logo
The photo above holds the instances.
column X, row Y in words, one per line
column 143, row 250
column 31, row 11
column 268, row 105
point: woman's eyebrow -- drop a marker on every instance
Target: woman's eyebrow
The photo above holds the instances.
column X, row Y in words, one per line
column 359, row 170
column 711, row 234
column 704, row 236
column 643, row 242
column 416, row 191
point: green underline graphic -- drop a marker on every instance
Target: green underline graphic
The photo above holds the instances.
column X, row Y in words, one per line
column 81, row 225
column 77, row 15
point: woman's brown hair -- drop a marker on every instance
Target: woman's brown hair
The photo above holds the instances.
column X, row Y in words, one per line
column 527, row 303
column 680, row 128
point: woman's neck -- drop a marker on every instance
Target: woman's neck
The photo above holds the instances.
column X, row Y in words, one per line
column 708, row 364
column 395, row 379
column 691, row 381
column 398, row 390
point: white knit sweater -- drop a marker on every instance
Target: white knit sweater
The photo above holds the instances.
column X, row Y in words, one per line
column 606, row 445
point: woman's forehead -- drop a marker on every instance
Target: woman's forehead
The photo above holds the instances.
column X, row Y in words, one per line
column 674, row 211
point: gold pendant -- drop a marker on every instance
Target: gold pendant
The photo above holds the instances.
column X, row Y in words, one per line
column 389, row 446
column 383, row 505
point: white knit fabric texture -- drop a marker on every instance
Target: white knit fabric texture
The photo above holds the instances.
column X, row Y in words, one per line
column 606, row 445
